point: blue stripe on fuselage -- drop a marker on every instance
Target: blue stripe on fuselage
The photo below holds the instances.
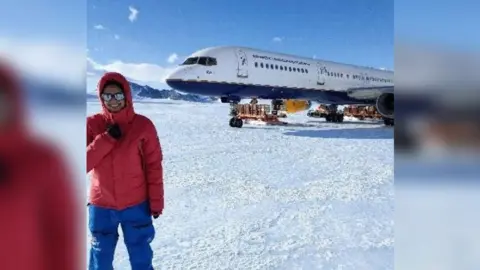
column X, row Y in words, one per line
column 219, row 89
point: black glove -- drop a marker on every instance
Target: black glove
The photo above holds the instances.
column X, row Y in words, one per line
column 155, row 215
column 114, row 131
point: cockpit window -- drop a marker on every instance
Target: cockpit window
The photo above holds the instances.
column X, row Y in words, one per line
column 190, row 61
column 204, row 61
column 211, row 61
column 207, row 61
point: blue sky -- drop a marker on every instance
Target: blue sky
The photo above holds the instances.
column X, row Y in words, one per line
column 54, row 20
column 357, row 32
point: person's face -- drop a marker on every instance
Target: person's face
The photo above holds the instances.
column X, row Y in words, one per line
column 113, row 98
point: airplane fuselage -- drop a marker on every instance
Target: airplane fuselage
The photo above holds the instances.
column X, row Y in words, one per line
column 239, row 72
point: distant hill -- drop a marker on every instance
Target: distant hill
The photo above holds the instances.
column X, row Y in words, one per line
column 147, row 92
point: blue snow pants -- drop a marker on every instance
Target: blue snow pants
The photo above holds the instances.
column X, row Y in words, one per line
column 138, row 233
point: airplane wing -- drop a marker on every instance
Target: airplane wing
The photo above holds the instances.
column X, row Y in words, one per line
column 369, row 93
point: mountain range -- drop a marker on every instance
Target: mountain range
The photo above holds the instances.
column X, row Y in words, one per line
column 140, row 92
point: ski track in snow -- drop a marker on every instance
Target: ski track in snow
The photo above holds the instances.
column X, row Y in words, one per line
column 265, row 197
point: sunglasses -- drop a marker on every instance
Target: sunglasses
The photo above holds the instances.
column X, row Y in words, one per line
column 117, row 96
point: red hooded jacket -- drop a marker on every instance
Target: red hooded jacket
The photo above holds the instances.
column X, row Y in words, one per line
column 41, row 226
column 128, row 171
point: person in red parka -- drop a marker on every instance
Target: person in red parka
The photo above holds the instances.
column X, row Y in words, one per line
column 40, row 227
column 124, row 158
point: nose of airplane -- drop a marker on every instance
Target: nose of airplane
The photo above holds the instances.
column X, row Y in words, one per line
column 172, row 78
column 174, row 75
column 176, row 79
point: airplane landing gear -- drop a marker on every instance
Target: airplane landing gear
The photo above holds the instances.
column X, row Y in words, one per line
column 333, row 115
column 389, row 122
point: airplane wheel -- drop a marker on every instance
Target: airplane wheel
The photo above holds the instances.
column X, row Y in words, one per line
column 340, row 118
column 388, row 122
column 335, row 118
column 328, row 118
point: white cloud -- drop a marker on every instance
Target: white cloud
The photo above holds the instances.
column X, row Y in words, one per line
column 133, row 14
column 117, row 37
column 142, row 72
column 172, row 58
column 278, row 39
column 47, row 60
column 99, row 27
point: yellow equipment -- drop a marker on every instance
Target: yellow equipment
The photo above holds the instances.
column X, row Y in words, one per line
column 296, row 105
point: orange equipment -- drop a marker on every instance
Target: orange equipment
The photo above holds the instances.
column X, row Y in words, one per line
column 258, row 112
column 362, row 112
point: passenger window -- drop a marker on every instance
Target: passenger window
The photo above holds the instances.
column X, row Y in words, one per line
column 306, row 70
column 281, row 67
column 261, row 65
column 276, row 66
column 294, row 69
column 290, row 69
column 256, row 64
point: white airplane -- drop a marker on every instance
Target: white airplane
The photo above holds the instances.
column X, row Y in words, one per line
column 233, row 73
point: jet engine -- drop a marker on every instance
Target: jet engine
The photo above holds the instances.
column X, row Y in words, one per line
column 385, row 104
column 296, row 105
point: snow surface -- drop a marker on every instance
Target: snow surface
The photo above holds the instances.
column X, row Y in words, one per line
column 310, row 196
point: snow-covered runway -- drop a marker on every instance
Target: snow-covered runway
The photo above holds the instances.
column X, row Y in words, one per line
column 264, row 197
